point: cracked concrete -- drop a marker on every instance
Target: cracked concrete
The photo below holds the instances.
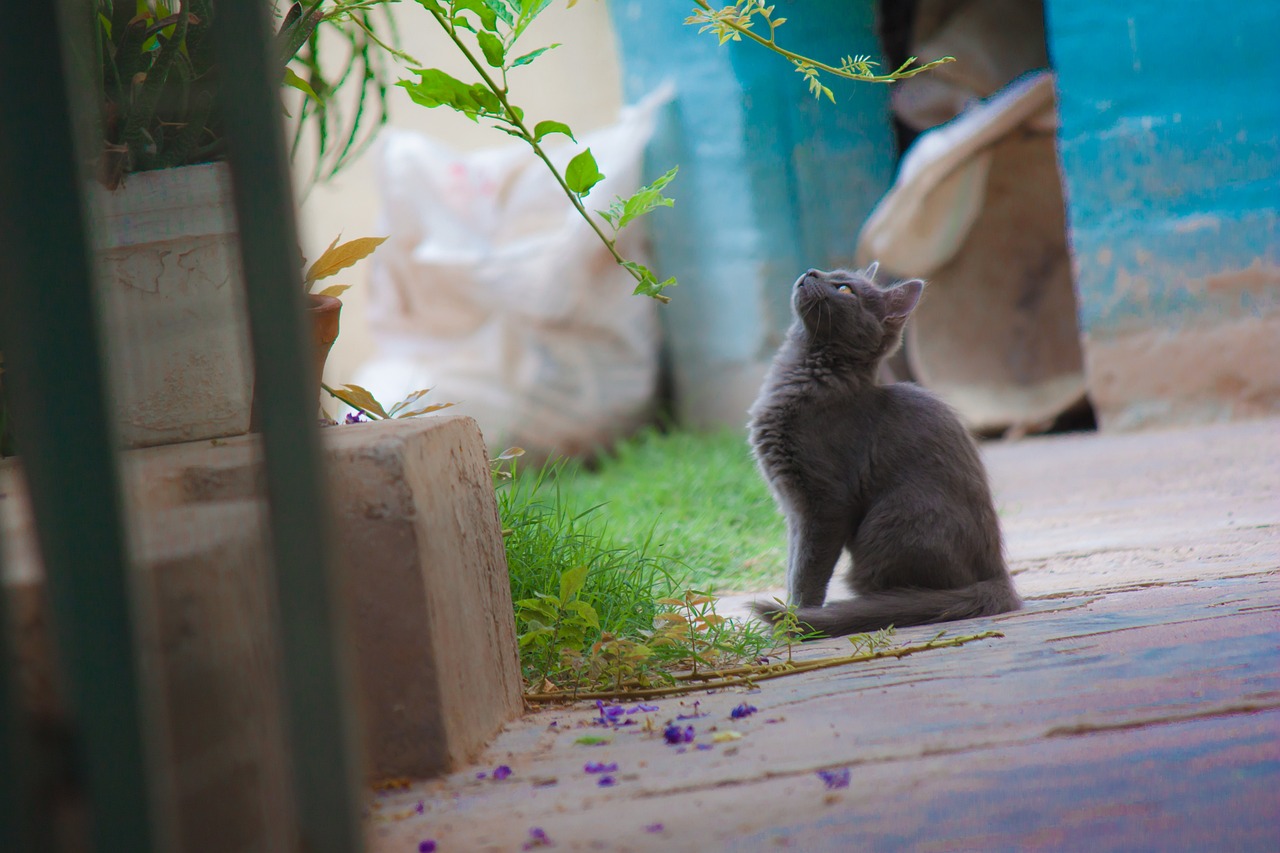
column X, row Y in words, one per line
column 1134, row 703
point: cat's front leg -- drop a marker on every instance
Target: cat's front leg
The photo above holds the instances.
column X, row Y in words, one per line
column 813, row 547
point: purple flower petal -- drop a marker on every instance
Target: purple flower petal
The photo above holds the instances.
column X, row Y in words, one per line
column 654, row 827
column 703, row 746
column 692, row 716
column 537, row 838
column 427, row 846
column 501, row 772
column 838, row 778
column 743, row 710
column 599, row 767
column 421, row 808
column 482, row 775
column 607, row 782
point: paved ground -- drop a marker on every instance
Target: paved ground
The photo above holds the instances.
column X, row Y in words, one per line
column 1133, row 705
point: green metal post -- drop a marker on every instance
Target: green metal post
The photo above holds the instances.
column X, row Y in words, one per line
column 313, row 639
column 55, row 381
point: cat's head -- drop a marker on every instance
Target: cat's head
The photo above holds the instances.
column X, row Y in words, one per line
column 845, row 310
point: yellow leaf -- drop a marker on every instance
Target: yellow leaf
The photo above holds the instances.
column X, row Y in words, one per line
column 412, row 398
column 674, row 618
column 337, row 258
column 334, row 290
column 725, row 737
column 425, row 411
column 363, row 399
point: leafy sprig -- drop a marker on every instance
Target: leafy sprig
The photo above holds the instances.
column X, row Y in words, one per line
column 486, row 32
column 733, row 22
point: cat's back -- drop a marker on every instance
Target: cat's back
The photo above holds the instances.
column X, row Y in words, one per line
column 919, row 430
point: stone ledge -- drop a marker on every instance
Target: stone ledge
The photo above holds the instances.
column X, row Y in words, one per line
column 417, row 531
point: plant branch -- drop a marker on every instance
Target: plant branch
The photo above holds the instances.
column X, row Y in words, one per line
column 797, row 59
column 513, row 118
column 748, row 675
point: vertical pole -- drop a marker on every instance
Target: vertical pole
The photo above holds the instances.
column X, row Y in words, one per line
column 55, row 382
column 312, row 636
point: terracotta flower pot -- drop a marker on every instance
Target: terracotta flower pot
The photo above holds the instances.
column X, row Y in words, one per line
column 325, row 311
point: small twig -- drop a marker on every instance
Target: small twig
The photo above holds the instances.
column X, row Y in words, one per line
column 797, row 59
column 719, row 679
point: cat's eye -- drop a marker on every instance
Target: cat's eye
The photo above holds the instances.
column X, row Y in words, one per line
column 844, row 288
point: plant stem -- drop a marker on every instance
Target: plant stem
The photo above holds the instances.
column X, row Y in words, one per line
column 798, row 59
column 513, row 119
column 716, row 680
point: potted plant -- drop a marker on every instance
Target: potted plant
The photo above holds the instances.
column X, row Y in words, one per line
column 167, row 249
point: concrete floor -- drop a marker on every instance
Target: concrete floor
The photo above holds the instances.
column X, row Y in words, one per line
column 1133, row 705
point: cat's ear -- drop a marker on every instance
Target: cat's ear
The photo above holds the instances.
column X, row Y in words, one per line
column 901, row 300
column 870, row 272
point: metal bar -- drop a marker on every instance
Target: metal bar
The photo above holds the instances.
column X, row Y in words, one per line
column 55, row 381
column 313, row 637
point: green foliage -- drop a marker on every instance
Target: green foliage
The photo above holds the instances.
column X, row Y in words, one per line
column 591, row 614
column 159, row 81
column 693, row 497
column 582, row 173
column 789, row 630
column 732, row 22
column 486, row 32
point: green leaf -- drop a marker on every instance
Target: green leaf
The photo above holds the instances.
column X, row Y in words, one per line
column 433, row 6
column 571, row 582
column 436, row 88
column 488, row 18
column 544, row 128
column 593, row 740
column 494, row 52
column 642, row 201
column 529, row 10
column 532, row 55
column 647, row 282
column 502, row 9
column 585, row 612
column 582, row 173
column 291, row 78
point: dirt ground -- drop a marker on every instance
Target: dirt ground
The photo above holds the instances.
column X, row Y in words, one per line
column 1134, row 704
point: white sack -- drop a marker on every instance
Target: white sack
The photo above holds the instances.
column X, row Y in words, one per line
column 493, row 291
column 925, row 217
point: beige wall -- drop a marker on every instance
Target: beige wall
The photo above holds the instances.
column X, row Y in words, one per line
column 577, row 83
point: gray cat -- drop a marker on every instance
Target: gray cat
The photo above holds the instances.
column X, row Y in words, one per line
column 887, row 473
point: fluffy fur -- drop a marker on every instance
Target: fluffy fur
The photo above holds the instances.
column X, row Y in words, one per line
column 887, row 473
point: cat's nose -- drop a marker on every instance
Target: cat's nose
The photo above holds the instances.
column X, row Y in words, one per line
column 810, row 275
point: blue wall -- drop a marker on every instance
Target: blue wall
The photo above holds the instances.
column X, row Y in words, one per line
column 1169, row 144
column 1170, row 148
column 771, row 182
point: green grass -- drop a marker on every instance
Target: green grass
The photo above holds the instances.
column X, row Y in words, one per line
column 626, row 620
column 694, row 499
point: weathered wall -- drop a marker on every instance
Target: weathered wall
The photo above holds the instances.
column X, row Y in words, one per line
column 1169, row 142
column 771, row 182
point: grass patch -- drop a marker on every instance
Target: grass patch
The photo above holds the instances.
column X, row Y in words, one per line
column 593, row 612
column 695, row 499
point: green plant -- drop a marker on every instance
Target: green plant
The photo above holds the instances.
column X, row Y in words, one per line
column 732, row 22
column 485, row 32
column 158, row 85
column 555, row 624
column 697, row 498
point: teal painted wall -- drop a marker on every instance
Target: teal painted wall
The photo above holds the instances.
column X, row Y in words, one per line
column 1170, row 151
column 771, row 182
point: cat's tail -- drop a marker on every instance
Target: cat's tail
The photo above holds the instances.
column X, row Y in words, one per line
column 901, row 608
